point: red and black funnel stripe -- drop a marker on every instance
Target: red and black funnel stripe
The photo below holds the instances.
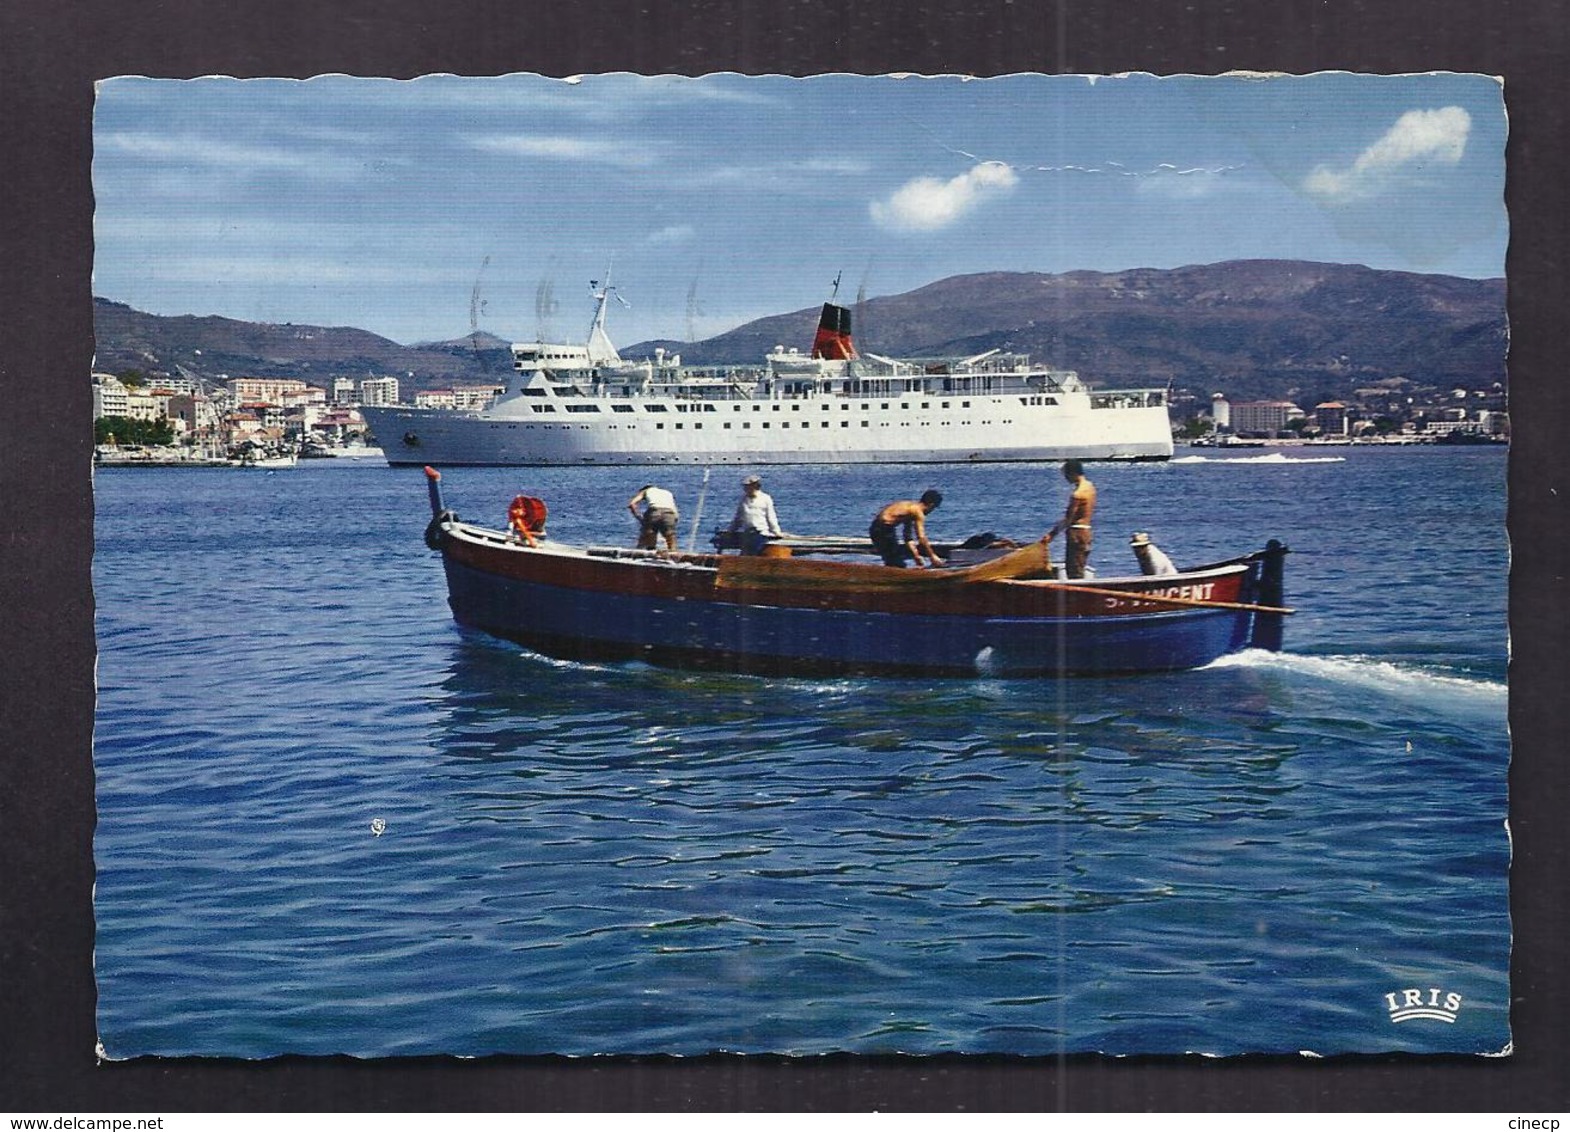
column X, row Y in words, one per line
column 833, row 340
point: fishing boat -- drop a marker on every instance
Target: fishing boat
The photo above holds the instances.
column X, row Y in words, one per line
column 784, row 612
column 583, row 404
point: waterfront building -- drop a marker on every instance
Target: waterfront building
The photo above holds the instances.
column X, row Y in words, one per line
column 338, row 424
column 1262, row 418
column 267, row 390
column 192, row 414
column 239, row 427
column 466, row 397
column 434, row 399
column 343, row 391
column 379, row 391
column 176, row 385
column 1220, row 412
column 1332, row 418
column 109, row 396
column 475, row 396
column 310, row 395
column 146, row 405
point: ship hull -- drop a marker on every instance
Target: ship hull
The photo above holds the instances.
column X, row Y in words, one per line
column 807, row 432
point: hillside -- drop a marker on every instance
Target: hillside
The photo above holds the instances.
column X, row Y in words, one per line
column 209, row 346
column 1253, row 328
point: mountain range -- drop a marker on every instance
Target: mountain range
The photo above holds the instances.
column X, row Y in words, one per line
column 1249, row 328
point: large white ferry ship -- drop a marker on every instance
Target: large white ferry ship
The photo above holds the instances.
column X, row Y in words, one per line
column 585, row 405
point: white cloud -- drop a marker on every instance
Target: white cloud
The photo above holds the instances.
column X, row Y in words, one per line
column 928, row 203
column 193, row 150
column 791, row 176
column 562, row 147
column 1419, row 140
column 671, row 234
column 848, row 166
column 231, row 159
column 294, row 269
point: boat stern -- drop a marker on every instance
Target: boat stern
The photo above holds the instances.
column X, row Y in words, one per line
column 1269, row 590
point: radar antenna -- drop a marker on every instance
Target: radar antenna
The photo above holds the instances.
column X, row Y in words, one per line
column 601, row 352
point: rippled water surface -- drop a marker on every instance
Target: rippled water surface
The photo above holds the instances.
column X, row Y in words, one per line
column 580, row 859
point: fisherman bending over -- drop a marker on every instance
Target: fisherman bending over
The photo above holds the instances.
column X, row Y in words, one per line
column 658, row 518
column 1076, row 519
column 900, row 531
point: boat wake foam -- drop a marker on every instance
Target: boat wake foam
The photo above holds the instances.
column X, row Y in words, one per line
column 1272, row 458
column 1418, row 685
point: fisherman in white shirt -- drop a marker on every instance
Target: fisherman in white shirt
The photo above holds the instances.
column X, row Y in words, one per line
column 1152, row 559
column 755, row 520
column 658, row 518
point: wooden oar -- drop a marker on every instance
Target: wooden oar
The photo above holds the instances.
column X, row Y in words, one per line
column 1135, row 595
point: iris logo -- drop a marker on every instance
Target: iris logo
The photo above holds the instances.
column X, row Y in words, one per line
column 1435, row 1003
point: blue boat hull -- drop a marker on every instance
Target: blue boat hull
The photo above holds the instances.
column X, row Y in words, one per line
column 584, row 624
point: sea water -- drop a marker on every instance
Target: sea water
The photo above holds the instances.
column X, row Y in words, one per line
column 331, row 821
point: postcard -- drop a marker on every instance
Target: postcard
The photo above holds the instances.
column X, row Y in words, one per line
column 873, row 564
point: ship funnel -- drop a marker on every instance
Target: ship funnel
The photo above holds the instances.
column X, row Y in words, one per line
column 833, row 339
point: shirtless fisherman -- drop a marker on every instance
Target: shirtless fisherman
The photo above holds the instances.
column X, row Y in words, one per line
column 1076, row 519
column 900, row 530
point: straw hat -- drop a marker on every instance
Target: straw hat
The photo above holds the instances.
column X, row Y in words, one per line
column 750, row 480
column 1140, row 539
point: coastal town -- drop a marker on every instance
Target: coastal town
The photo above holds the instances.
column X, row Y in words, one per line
column 159, row 419
column 1396, row 410
column 143, row 418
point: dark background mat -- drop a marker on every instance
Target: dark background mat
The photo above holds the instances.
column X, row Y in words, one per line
column 50, row 55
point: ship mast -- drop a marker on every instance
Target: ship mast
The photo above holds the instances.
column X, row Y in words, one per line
column 601, row 352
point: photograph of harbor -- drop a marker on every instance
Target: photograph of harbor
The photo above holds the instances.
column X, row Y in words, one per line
column 857, row 564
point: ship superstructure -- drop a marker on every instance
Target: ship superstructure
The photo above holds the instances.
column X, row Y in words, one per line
column 586, row 405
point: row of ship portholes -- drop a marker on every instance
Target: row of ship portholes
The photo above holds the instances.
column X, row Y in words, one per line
column 413, row 441
column 655, row 407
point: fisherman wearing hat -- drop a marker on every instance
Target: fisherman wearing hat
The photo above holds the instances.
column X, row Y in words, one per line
column 755, row 520
column 1152, row 559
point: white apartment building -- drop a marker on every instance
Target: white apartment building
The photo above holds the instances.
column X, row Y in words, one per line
column 475, row 396
column 467, row 397
column 379, row 391
column 310, row 395
column 146, row 405
column 109, row 396
column 435, row 399
column 176, row 385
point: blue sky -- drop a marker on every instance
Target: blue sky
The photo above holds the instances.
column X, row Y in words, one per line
column 385, row 205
